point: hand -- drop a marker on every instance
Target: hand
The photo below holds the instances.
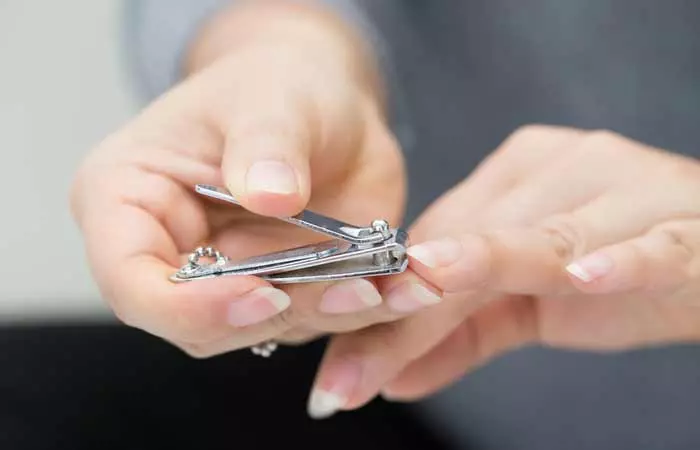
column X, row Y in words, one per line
column 282, row 107
column 564, row 238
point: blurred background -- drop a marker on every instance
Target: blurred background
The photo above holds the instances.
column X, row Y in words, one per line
column 72, row 377
column 64, row 87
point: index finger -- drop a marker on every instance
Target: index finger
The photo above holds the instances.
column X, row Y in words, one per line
column 134, row 224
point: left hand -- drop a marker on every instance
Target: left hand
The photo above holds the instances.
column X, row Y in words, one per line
column 282, row 105
column 564, row 238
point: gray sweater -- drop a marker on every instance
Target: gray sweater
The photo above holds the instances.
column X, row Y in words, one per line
column 464, row 74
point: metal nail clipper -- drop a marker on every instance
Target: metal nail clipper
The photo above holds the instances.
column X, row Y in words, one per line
column 352, row 252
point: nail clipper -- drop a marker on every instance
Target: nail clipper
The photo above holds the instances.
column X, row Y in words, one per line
column 353, row 252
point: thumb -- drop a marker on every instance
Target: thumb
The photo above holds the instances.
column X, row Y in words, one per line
column 267, row 149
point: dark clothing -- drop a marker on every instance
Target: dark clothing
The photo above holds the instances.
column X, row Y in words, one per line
column 114, row 388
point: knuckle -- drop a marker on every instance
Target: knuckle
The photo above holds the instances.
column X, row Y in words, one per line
column 480, row 269
column 566, row 235
column 532, row 130
column 186, row 321
column 536, row 139
column 161, row 196
column 640, row 264
column 602, row 135
column 603, row 142
column 285, row 320
column 676, row 236
column 256, row 128
column 181, row 320
column 384, row 340
column 527, row 133
column 191, row 323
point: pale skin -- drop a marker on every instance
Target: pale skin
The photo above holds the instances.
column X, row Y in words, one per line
column 281, row 105
column 563, row 237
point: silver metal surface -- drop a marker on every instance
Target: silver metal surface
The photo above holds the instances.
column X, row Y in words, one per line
column 330, row 260
column 353, row 252
column 310, row 220
column 356, row 252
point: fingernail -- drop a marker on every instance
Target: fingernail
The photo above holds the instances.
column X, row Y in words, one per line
column 271, row 176
column 439, row 253
column 323, row 404
column 257, row 306
column 333, row 390
column 349, row 296
column 410, row 297
column 590, row 267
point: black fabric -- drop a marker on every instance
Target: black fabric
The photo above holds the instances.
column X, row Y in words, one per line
column 110, row 387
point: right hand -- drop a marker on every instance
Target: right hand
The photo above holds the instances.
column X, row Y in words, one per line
column 282, row 108
column 547, row 243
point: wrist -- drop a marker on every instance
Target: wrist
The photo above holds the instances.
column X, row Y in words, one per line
column 292, row 29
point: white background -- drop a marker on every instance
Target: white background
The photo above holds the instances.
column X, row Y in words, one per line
column 63, row 87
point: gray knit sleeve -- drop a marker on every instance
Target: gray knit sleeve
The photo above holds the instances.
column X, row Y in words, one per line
column 157, row 33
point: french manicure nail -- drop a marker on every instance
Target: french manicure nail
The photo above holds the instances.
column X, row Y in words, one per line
column 591, row 267
column 349, row 296
column 410, row 297
column 331, row 394
column 257, row 306
column 274, row 177
column 323, row 404
column 438, row 253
